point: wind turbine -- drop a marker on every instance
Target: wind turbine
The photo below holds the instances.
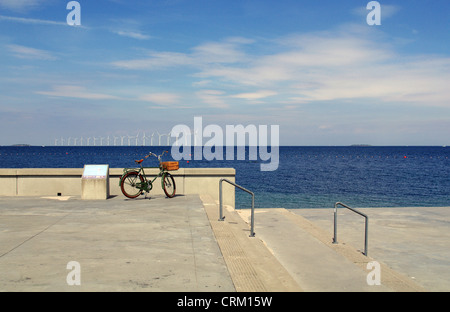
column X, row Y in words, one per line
column 95, row 141
column 143, row 139
column 121, row 140
column 88, row 141
column 151, row 140
column 159, row 138
column 168, row 138
column 56, row 142
column 137, row 136
column 115, row 140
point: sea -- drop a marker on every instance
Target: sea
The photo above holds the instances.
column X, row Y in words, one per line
column 307, row 176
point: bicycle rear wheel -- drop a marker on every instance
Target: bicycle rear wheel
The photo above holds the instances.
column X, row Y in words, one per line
column 130, row 184
column 168, row 184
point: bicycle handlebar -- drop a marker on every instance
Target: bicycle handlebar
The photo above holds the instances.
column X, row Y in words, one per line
column 157, row 156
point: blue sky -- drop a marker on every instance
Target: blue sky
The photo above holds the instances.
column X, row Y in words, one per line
column 315, row 68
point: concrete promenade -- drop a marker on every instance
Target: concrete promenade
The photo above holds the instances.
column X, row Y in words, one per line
column 154, row 244
column 178, row 245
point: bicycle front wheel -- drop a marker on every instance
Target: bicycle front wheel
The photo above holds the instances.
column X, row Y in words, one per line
column 130, row 184
column 168, row 184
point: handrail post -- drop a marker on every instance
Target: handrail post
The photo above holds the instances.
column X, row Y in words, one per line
column 222, row 217
column 366, row 240
column 335, row 224
column 252, row 218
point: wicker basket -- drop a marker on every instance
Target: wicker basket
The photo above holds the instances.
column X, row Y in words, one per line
column 170, row 165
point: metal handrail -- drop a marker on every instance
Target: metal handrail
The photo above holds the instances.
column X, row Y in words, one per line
column 358, row 212
column 221, row 218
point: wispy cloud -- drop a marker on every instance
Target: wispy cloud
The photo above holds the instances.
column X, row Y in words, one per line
column 132, row 34
column 23, row 52
column 20, row 5
column 224, row 52
column 160, row 98
column 213, row 98
column 343, row 64
column 32, row 21
column 155, row 60
column 337, row 66
column 69, row 91
column 255, row 95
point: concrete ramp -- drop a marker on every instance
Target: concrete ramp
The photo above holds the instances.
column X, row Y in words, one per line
column 299, row 247
column 313, row 264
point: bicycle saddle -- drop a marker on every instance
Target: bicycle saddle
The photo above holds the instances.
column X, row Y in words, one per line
column 139, row 161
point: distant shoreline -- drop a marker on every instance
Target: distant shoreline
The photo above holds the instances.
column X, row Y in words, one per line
column 353, row 145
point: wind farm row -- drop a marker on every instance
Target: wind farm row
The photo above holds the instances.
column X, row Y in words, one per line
column 161, row 139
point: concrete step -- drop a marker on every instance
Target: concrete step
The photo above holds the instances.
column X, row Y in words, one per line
column 315, row 263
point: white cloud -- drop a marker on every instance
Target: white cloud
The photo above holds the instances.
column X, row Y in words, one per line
column 132, row 34
column 336, row 66
column 400, row 80
column 156, row 60
column 20, row 5
column 78, row 92
column 255, row 95
column 388, row 10
column 344, row 64
column 219, row 52
column 213, row 98
column 207, row 54
column 32, row 21
column 30, row 53
column 160, row 98
column 201, row 83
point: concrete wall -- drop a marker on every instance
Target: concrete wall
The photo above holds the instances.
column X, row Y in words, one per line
column 67, row 182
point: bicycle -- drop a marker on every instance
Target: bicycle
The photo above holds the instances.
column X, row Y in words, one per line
column 134, row 181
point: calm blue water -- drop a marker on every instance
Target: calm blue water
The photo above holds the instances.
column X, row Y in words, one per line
column 307, row 177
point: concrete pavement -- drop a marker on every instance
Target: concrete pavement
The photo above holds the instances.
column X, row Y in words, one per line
column 155, row 244
column 178, row 244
